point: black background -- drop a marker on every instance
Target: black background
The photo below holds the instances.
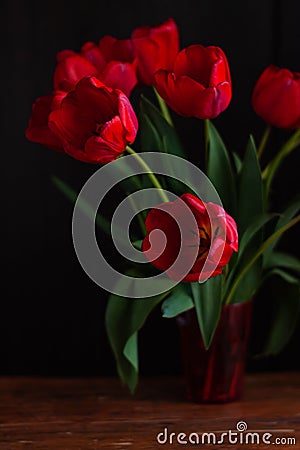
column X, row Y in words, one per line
column 52, row 315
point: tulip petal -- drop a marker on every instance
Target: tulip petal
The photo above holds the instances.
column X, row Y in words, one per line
column 101, row 150
column 191, row 99
column 119, row 75
column 181, row 94
column 64, row 54
column 71, row 70
column 117, row 49
column 196, row 205
column 93, row 54
column 38, row 129
column 194, row 62
column 81, row 111
column 156, row 48
column 220, row 72
column 128, row 117
column 112, row 134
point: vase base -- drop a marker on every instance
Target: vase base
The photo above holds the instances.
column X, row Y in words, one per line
column 199, row 399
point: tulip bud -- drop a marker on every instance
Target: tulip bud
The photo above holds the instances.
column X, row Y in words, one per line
column 276, row 97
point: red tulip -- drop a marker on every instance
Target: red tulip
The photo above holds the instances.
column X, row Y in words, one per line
column 118, row 66
column 276, row 97
column 94, row 122
column 156, row 48
column 198, row 85
column 38, row 129
column 112, row 62
column 213, row 237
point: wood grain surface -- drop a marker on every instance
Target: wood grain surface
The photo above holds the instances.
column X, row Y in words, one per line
column 98, row 413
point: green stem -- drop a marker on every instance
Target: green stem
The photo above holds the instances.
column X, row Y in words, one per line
column 139, row 214
column 263, row 141
column 225, row 273
column 271, row 169
column 260, row 251
column 206, row 142
column 164, row 108
column 150, row 174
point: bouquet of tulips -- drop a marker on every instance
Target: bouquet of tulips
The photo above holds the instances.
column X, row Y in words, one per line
column 205, row 241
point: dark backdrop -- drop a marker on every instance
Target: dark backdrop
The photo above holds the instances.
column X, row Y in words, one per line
column 52, row 315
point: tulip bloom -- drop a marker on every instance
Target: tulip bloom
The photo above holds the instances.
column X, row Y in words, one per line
column 112, row 62
column 156, row 48
column 204, row 248
column 276, row 97
column 199, row 84
column 92, row 123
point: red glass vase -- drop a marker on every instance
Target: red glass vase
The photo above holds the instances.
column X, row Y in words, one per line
column 216, row 375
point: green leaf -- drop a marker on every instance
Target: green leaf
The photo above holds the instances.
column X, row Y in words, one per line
column 250, row 211
column 286, row 276
column 177, row 302
column 283, row 315
column 156, row 133
column 124, row 317
column 250, row 232
column 284, row 218
column 237, row 162
column 250, row 189
column 131, row 353
column 250, row 283
column 265, row 245
column 138, row 244
column 101, row 222
column 282, row 260
column 247, row 248
column 207, row 299
column 150, row 139
column 72, row 195
column 219, row 170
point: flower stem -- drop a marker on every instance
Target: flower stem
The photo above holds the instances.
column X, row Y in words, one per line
column 263, row 141
column 271, row 169
column 206, row 142
column 225, row 272
column 164, row 108
column 150, row 174
column 140, row 218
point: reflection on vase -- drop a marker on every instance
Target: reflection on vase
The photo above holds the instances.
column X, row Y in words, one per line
column 216, row 375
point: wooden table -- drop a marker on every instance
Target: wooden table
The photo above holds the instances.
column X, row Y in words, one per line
column 98, row 413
